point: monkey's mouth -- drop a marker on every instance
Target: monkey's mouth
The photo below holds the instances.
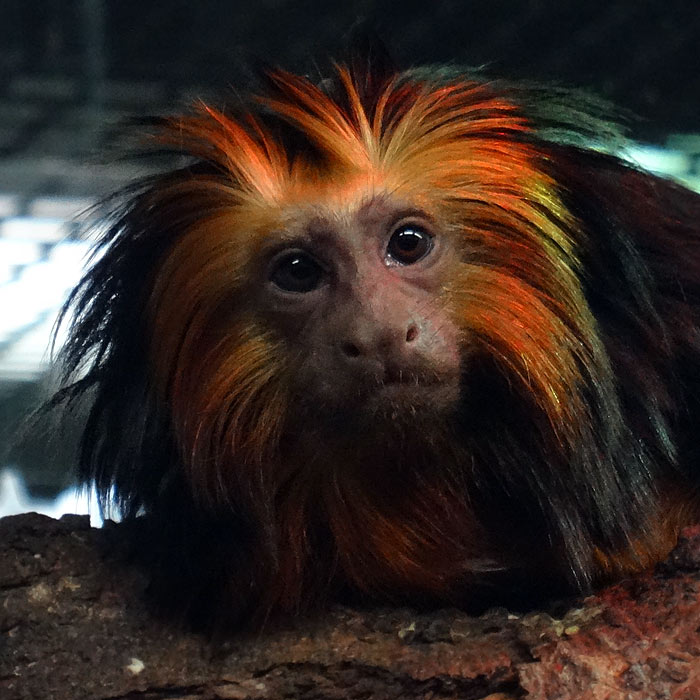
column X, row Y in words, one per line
column 373, row 401
column 417, row 379
column 395, row 376
column 401, row 389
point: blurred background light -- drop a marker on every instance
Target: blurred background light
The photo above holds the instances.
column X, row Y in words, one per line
column 15, row 499
column 38, row 268
column 30, row 228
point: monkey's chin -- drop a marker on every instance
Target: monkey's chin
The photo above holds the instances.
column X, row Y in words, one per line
column 404, row 407
column 398, row 399
column 377, row 411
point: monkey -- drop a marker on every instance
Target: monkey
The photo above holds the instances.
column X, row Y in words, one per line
column 400, row 335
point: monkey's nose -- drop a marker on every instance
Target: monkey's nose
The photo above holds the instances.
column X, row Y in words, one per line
column 351, row 350
column 379, row 350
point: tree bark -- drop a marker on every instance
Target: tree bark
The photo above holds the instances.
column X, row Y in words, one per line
column 74, row 624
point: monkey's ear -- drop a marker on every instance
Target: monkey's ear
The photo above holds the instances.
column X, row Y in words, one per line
column 370, row 64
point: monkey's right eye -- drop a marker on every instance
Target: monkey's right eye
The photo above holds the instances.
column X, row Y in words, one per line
column 296, row 272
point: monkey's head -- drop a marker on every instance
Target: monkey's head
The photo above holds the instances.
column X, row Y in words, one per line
column 355, row 322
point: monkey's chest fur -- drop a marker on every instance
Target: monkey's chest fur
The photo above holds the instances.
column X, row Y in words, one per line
column 394, row 503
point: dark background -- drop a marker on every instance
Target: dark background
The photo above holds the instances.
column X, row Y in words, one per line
column 71, row 70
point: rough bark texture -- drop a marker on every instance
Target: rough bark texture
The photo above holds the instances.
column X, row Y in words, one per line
column 73, row 624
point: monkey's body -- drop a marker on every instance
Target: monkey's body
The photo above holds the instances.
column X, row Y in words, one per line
column 398, row 335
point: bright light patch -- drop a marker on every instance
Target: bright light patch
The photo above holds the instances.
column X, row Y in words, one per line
column 29, row 228
column 70, row 255
column 35, row 279
column 18, row 251
column 39, row 289
column 59, row 207
column 26, row 358
column 674, row 163
column 14, row 499
column 15, row 253
column 9, row 205
column 664, row 161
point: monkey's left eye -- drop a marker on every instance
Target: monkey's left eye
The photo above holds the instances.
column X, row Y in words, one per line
column 296, row 272
column 409, row 244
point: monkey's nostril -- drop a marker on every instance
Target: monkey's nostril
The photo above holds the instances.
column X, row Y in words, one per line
column 351, row 350
column 412, row 333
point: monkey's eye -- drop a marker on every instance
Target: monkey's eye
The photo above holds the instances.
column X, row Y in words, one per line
column 409, row 244
column 296, row 272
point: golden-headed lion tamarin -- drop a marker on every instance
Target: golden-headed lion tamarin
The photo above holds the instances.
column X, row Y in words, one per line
column 398, row 334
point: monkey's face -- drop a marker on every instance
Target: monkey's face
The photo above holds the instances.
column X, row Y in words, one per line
column 356, row 296
column 340, row 305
